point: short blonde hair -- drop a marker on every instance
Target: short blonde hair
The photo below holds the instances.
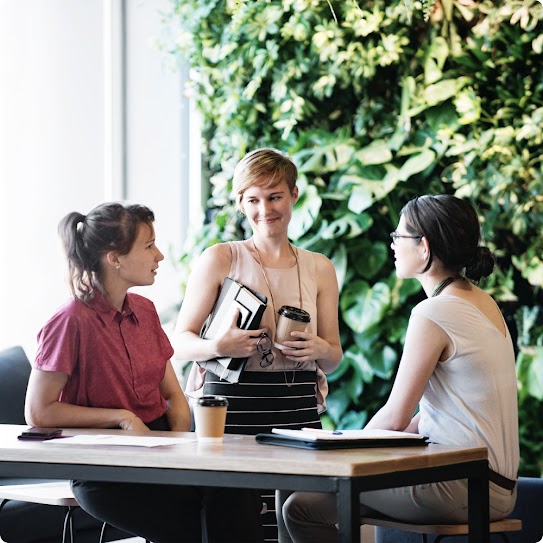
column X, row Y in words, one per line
column 265, row 167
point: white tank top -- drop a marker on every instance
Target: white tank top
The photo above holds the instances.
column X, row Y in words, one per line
column 471, row 398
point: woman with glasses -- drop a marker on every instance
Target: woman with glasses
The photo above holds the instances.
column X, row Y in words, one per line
column 279, row 388
column 457, row 367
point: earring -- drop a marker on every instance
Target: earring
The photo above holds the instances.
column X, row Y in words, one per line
column 118, row 266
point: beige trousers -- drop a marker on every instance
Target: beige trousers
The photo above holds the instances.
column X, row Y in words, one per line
column 311, row 517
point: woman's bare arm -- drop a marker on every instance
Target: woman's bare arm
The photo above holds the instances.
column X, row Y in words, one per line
column 425, row 343
column 43, row 408
column 203, row 288
column 324, row 346
column 178, row 408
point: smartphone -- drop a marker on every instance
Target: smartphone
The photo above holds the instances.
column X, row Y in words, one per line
column 39, row 433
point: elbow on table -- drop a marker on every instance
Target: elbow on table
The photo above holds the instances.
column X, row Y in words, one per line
column 36, row 417
column 388, row 419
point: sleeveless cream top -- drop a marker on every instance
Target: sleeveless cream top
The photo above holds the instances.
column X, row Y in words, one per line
column 471, row 398
column 284, row 284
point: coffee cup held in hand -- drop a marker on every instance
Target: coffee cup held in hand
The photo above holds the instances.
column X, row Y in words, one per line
column 291, row 319
column 210, row 418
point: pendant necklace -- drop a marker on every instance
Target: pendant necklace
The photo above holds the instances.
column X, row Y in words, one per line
column 275, row 314
column 441, row 286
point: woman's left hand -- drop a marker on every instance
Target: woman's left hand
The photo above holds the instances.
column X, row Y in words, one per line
column 135, row 424
column 306, row 347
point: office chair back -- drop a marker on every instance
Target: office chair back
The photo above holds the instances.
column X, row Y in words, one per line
column 14, row 373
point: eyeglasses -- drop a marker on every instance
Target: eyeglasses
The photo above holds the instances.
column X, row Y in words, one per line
column 264, row 347
column 395, row 236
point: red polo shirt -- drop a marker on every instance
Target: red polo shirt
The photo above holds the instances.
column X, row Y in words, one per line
column 114, row 360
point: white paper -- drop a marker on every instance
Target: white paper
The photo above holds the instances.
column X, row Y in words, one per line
column 315, row 435
column 127, row 441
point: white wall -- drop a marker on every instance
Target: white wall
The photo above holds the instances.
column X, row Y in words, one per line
column 61, row 148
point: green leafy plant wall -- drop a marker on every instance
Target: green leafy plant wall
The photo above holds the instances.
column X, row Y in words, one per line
column 377, row 102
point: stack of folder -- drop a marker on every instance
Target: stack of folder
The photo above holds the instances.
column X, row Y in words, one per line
column 311, row 438
column 251, row 305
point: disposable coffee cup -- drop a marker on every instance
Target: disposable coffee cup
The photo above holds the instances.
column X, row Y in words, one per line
column 210, row 418
column 291, row 319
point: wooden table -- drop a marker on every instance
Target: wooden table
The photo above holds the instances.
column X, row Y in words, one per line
column 241, row 462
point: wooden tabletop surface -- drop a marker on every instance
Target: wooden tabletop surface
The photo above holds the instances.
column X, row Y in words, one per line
column 236, row 453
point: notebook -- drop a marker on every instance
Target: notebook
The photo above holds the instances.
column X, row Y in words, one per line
column 309, row 438
column 251, row 305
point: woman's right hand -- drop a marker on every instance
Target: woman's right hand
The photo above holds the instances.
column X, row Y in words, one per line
column 236, row 342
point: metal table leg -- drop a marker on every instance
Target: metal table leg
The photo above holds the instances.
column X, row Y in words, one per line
column 348, row 507
column 478, row 508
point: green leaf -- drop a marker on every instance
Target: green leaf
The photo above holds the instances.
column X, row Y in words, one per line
column 361, row 199
column 355, row 385
column 353, row 420
column 363, row 306
column 416, row 164
column 442, row 117
column 339, row 260
column 356, row 358
column 432, row 72
column 305, row 212
column 337, row 403
column 349, row 225
column 439, row 92
column 376, row 254
column 327, row 422
column 534, row 376
column 377, row 152
column 408, row 287
column 531, row 269
column 439, row 50
column 384, row 362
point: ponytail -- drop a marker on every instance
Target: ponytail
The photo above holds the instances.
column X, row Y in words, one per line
column 86, row 239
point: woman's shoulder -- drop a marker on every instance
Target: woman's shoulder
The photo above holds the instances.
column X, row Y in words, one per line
column 433, row 302
column 444, row 304
column 212, row 265
column 319, row 266
column 139, row 301
column 68, row 316
column 321, row 262
column 72, row 307
column 220, row 252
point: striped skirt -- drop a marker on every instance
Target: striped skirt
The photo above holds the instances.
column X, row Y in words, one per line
column 263, row 400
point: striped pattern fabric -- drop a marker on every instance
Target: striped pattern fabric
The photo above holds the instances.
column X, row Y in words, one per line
column 263, row 400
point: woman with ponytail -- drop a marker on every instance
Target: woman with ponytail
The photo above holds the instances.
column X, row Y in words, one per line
column 457, row 369
column 103, row 361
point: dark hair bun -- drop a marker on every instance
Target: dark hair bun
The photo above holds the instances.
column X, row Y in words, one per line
column 481, row 265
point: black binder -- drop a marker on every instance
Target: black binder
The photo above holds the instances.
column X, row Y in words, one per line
column 298, row 440
column 251, row 305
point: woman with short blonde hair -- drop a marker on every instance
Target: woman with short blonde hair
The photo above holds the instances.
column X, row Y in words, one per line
column 281, row 386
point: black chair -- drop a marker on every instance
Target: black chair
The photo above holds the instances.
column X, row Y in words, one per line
column 442, row 531
column 26, row 522
column 528, row 509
